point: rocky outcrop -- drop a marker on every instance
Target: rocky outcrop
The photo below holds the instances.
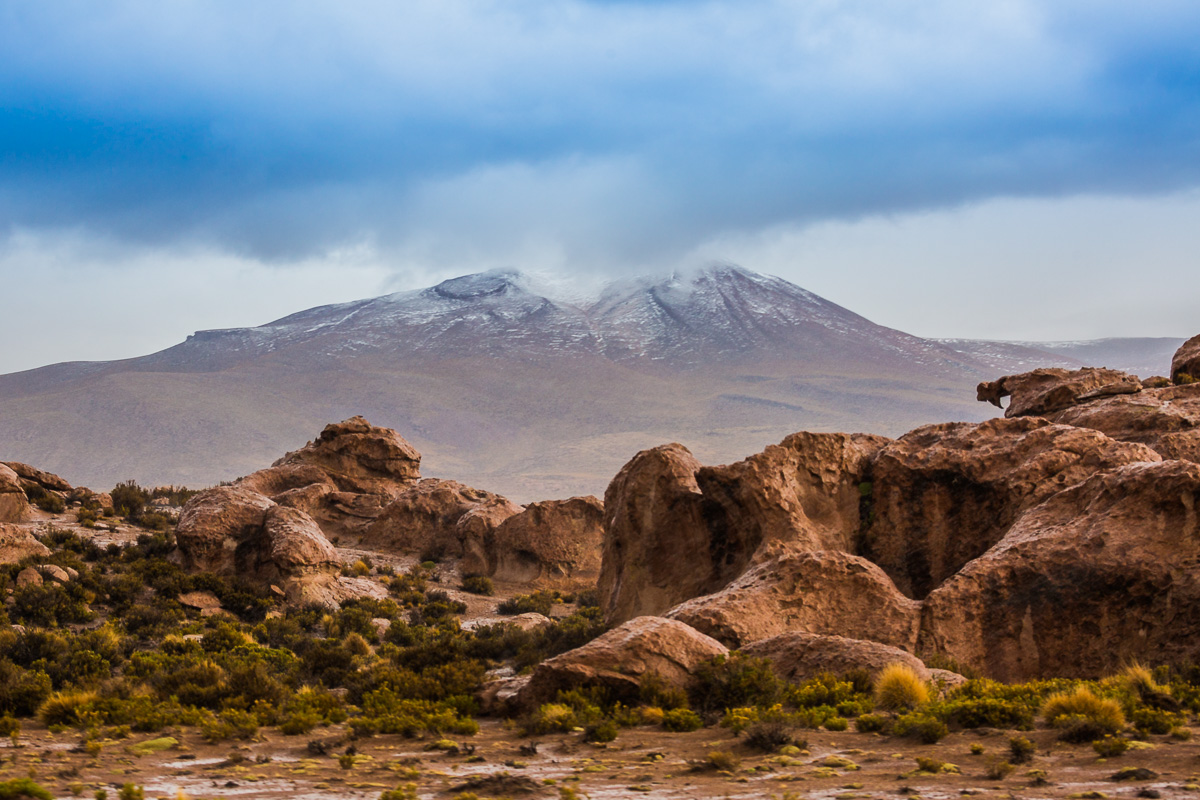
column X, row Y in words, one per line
column 550, row 539
column 658, row 551
column 17, row 543
column 618, row 660
column 14, row 505
column 1165, row 419
column 822, row 592
column 797, row 656
column 438, row 519
column 233, row 531
column 1185, row 366
column 1043, row 391
column 943, row 494
column 36, row 477
column 676, row 530
column 1098, row 575
column 360, row 457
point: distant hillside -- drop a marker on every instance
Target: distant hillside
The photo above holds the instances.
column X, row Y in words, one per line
column 510, row 385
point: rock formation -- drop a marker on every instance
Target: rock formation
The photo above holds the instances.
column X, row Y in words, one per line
column 438, row 519
column 1059, row 540
column 797, row 656
column 824, row 591
column 550, row 539
column 17, row 543
column 359, row 457
column 32, row 476
column 1102, row 573
column 943, row 494
column 14, row 505
column 619, row 659
column 1186, row 363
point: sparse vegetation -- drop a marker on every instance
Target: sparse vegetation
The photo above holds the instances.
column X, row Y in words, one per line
column 899, row 688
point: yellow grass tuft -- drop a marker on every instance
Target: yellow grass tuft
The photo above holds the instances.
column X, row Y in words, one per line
column 899, row 688
column 1085, row 715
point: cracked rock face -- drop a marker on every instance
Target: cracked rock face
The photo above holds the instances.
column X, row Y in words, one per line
column 1056, row 541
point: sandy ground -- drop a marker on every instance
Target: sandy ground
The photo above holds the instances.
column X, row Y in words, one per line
column 642, row 762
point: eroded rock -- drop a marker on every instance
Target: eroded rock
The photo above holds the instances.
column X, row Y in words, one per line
column 1098, row 575
column 798, row 656
column 619, row 659
column 35, row 476
column 552, row 538
column 943, row 494
column 438, row 519
column 822, row 592
column 1185, row 364
column 17, row 543
column 360, row 457
column 14, row 505
column 1043, row 391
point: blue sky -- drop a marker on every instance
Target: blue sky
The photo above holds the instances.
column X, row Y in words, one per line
column 919, row 162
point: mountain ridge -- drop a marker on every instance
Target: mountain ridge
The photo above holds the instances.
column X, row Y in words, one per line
column 502, row 385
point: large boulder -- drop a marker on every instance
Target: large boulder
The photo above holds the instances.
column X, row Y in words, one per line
column 1186, row 363
column 438, row 519
column 550, row 539
column 620, row 658
column 1043, row 391
column 825, row 592
column 658, row 550
column 797, row 656
column 215, row 523
column 17, row 543
column 943, row 494
column 360, row 457
column 235, row 532
column 14, row 505
column 1100, row 574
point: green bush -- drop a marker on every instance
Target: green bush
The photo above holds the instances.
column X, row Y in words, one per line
column 23, row 787
column 1021, row 750
column 770, row 736
column 872, row 723
column 51, row 502
column 733, row 681
column 1110, row 746
column 1081, row 716
column 539, row 602
column 682, row 720
column 924, row 728
column 601, row 732
column 129, row 499
column 478, row 584
column 1154, row 720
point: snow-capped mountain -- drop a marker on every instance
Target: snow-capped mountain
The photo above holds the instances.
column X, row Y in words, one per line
column 513, row 383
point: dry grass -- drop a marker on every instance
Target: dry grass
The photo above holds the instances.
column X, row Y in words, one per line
column 899, row 688
column 1082, row 715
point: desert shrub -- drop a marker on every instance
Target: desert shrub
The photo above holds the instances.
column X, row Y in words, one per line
column 1154, row 720
column 23, row 787
column 51, row 502
column 50, row 604
column 10, row 726
column 129, row 499
column 478, row 584
column 539, row 602
column 682, row 720
column 131, row 791
column 721, row 761
column 230, row 724
column 1110, row 746
column 769, row 736
column 605, row 731
column 1021, row 750
column 735, row 680
column 22, row 691
column 872, row 723
column 1081, row 716
column 835, row 724
column 925, row 728
column 988, row 712
column 825, row 689
column 998, row 770
column 62, row 708
column 654, row 691
column 899, row 688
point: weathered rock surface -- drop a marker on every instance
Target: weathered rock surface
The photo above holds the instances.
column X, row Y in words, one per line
column 1098, row 575
column 797, row 656
column 17, row 543
column 618, row 659
column 1165, row 419
column 360, row 457
column 33, row 475
column 233, row 531
column 553, row 538
column 943, row 494
column 438, row 519
column 823, row 592
column 14, row 505
column 29, row 577
column 1043, row 391
column 658, row 550
column 1186, row 361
